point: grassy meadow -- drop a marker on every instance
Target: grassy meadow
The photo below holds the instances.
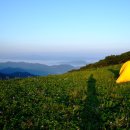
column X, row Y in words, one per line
column 83, row 100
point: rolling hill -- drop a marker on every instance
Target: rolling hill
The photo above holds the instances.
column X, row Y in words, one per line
column 4, row 76
column 10, row 70
column 108, row 60
column 87, row 99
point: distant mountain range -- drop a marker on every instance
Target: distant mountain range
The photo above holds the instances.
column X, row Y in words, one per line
column 11, row 68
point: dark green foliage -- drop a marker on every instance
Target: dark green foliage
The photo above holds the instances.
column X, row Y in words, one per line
column 84, row 100
column 109, row 60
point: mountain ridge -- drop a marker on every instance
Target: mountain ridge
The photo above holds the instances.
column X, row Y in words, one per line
column 34, row 68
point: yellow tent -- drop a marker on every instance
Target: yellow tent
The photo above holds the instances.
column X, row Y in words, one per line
column 124, row 73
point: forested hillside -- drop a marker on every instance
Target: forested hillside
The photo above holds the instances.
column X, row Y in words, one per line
column 109, row 60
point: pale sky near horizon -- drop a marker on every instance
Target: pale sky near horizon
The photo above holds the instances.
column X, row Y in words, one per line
column 68, row 27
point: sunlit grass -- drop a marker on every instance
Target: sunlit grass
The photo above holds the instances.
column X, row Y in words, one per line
column 88, row 99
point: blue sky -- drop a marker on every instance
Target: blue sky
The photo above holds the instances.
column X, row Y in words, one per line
column 77, row 28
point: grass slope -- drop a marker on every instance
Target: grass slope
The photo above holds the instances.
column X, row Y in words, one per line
column 83, row 100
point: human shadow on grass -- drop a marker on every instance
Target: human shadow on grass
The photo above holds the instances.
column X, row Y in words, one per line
column 115, row 72
column 90, row 115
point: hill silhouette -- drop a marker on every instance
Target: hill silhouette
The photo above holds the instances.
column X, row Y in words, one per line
column 109, row 60
column 4, row 76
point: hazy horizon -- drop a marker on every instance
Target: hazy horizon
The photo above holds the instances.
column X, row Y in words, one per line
column 50, row 60
column 68, row 30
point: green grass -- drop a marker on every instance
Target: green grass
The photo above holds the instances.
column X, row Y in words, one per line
column 84, row 100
